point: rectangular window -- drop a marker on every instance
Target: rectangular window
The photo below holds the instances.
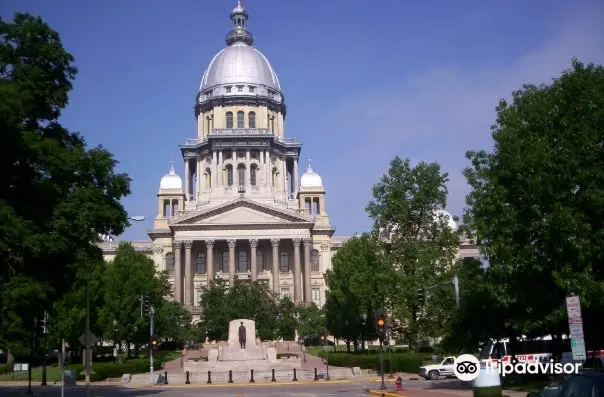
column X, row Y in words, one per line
column 239, row 88
column 228, row 89
column 252, row 89
column 316, row 296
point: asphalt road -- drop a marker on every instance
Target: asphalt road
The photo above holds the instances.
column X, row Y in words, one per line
column 351, row 389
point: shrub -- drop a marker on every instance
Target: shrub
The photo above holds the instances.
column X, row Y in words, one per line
column 4, row 369
column 103, row 371
column 401, row 362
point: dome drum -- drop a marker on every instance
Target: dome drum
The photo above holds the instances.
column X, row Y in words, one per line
column 244, row 100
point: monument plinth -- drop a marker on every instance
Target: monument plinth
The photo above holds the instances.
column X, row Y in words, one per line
column 242, row 353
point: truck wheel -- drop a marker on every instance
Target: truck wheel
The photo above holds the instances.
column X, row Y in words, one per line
column 433, row 375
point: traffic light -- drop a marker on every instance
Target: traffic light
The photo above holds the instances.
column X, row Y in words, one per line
column 146, row 304
column 421, row 295
column 380, row 323
column 45, row 323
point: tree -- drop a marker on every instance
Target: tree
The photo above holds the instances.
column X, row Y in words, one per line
column 128, row 278
column 419, row 245
column 173, row 321
column 287, row 322
column 357, row 284
column 536, row 200
column 56, row 195
column 311, row 322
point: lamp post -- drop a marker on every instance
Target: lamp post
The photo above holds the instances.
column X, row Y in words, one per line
column 364, row 318
column 115, row 344
column 87, row 326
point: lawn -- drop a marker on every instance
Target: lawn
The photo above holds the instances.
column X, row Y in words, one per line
column 53, row 373
column 529, row 386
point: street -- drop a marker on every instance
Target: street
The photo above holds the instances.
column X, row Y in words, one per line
column 321, row 389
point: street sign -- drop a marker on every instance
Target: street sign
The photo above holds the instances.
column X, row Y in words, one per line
column 576, row 331
column 577, row 347
column 92, row 339
column 573, row 307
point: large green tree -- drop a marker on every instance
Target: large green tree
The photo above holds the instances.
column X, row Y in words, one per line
column 56, row 194
column 536, row 201
column 128, row 279
column 358, row 283
column 418, row 244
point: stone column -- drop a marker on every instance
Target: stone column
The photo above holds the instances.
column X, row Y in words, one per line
column 219, row 175
column 214, row 176
column 177, row 272
column 231, row 262
column 248, row 171
column 296, row 180
column 254, row 265
column 187, row 178
column 275, row 244
column 307, row 271
column 210, row 259
column 297, row 272
column 267, row 168
column 198, row 178
column 188, row 274
column 284, row 176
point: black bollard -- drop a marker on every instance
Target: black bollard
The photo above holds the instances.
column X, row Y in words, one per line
column 273, row 378
column 165, row 377
column 295, row 379
column 252, row 376
column 230, row 376
column 316, row 375
column 187, row 382
column 209, row 382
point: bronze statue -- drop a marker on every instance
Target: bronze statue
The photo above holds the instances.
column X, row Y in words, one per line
column 242, row 336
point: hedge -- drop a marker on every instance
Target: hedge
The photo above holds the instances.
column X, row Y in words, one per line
column 401, row 362
column 103, row 371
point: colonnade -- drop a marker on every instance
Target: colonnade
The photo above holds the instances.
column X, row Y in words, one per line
column 184, row 272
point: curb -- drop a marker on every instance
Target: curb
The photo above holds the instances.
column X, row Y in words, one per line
column 205, row 385
column 385, row 393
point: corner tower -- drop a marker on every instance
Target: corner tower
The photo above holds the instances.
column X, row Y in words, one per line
column 240, row 110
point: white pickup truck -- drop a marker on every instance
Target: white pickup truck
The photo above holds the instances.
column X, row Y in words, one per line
column 435, row 371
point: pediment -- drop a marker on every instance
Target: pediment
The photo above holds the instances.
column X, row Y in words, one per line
column 243, row 212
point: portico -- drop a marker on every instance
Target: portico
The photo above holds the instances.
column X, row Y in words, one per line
column 272, row 259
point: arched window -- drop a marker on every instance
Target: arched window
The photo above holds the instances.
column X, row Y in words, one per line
column 201, row 263
column 240, row 120
column 253, row 171
column 224, row 262
column 242, row 262
column 241, row 174
column 170, row 263
column 229, row 175
column 260, row 261
column 314, row 261
column 284, row 263
column 251, row 120
column 229, row 120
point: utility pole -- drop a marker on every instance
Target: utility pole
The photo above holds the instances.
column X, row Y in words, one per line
column 45, row 332
column 62, row 367
column 151, row 339
column 86, row 332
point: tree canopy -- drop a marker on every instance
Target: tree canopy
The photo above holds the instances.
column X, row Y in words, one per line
column 56, row 194
column 536, row 205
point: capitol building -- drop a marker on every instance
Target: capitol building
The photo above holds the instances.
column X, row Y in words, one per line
column 248, row 206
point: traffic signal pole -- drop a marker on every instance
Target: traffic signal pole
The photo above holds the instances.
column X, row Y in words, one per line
column 151, row 333
column 383, row 385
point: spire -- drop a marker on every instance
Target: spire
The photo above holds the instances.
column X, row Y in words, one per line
column 309, row 169
column 172, row 171
column 239, row 33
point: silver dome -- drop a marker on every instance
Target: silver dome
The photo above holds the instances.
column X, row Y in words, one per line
column 240, row 63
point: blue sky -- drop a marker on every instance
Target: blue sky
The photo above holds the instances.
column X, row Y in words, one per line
column 363, row 80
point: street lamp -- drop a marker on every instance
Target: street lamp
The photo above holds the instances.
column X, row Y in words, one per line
column 87, row 326
column 115, row 345
column 364, row 317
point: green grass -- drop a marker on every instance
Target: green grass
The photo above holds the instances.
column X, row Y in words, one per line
column 53, row 373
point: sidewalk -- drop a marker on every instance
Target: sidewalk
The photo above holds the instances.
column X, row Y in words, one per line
column 437, row 393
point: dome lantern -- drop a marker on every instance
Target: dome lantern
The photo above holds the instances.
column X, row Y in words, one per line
column 239, row 34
